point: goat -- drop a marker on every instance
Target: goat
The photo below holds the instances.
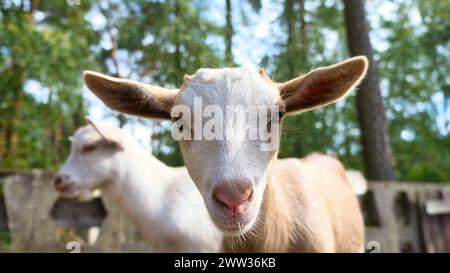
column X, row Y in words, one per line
column 160, row 200
column 261, row 204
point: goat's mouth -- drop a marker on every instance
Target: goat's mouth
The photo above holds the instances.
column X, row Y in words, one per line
column 65, row 189
column 235, row 230
column 231, row 223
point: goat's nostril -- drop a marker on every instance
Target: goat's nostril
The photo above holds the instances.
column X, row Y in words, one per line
column 58, row 180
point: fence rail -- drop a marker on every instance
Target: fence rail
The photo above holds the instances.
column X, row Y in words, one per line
column 400, row 217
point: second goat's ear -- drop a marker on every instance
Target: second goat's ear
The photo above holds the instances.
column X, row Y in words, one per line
column 322, row 86
column 110, row 140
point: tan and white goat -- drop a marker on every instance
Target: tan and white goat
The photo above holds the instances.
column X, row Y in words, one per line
column 260, row 203
column 162, row 201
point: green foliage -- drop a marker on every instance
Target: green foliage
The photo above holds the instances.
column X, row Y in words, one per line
column 333, row 129
column 44, row 51
column 170, row 39
column 414, row 70
column 49, row 47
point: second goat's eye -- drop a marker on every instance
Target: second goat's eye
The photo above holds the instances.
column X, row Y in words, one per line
column 87, row 148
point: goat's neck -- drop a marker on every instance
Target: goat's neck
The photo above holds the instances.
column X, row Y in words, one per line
column 139, row 189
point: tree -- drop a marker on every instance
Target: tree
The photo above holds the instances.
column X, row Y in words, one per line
column 169, row 41
column 228, row 35
column 414, row 70
column 229, row 29
column 48, row 52
column 107, row 13
column 301, row 46
column 372, row 120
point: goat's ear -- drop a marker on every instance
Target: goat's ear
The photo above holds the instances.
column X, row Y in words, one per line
column 108, row 138
column 322, row 86
column 131, row 97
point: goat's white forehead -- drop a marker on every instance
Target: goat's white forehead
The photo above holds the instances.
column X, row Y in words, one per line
column 230, row 86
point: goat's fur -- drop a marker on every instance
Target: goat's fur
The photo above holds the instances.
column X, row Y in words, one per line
column 161, row 200
column 302, row 205
column 308, row 206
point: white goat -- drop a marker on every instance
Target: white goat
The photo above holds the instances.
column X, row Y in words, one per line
column 259, row 202
column 162, row 201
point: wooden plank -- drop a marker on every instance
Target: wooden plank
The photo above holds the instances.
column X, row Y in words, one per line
column 446, row 221
column 29, row 198
column 437, row 207
column 446, row 196
column 433, row 226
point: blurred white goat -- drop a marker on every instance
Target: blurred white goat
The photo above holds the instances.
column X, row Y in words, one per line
column 161, row 200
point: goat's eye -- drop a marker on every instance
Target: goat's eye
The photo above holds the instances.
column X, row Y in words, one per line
column 280, row 115
column 87, row 148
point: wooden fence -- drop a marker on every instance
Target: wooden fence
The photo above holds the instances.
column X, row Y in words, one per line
column 39, row 221
column 408, row 217
column 400, row 217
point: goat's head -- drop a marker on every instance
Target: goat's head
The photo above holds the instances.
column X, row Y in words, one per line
column 229, row 162
column 92, row 161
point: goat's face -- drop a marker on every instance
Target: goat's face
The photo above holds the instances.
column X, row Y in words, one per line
column 92, row 163
column 230, row 166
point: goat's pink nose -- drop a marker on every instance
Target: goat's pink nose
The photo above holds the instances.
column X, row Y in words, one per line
column 233, row 199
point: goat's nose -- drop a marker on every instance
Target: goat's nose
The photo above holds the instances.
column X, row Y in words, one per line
column 233, row 197
column 61, row 182
column 58, row 180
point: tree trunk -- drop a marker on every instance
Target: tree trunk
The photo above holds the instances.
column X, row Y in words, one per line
column 372, row 120
column 57, row 139
column 291, row 39
column 302, row 26
column 17, row 79
column 78, row 118
column 14, row 124
column 228, row 35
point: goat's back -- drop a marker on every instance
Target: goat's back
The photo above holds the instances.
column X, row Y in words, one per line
column 325, row 212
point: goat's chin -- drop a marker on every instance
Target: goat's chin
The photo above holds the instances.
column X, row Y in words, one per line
column 85, row 196
column 232, row 226
column 80, row 195
column 233, row 232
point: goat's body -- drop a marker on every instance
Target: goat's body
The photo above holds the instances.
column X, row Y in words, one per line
column 164, row 204
column 290, row 205
column 308, row 206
